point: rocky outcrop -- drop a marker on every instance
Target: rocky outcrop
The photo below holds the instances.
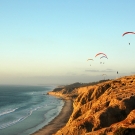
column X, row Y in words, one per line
column 101, row 108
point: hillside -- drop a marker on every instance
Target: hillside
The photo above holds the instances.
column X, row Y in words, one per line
column 103, row 108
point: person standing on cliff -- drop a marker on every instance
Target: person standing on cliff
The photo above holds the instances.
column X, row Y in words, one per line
column 117, row 75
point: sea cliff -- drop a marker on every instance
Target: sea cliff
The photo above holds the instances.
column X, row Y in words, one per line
column 101, row 108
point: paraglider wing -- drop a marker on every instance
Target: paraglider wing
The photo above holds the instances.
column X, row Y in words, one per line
column 89, row 59
column 100, row 54
column 103, row 57
column 128, row 33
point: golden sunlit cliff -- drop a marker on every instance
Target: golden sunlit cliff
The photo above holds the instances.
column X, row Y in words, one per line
column 105, row 108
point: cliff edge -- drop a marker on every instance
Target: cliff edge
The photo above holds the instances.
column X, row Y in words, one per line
column 103, row 108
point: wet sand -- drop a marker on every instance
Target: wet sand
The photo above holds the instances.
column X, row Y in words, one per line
column 58, row 122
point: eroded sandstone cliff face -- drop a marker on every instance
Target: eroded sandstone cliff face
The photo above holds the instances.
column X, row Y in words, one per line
column 101, row 108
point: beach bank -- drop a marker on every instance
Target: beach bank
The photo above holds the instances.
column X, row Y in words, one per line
column 59, row 121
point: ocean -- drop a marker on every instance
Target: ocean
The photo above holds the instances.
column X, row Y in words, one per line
column 26, row 109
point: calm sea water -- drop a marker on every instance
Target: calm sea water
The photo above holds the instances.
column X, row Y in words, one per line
column 25, row 109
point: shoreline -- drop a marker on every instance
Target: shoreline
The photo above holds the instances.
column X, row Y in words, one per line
column 59, row 121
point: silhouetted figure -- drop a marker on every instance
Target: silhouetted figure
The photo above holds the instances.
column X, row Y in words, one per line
column 117, row 72
column 129, row 43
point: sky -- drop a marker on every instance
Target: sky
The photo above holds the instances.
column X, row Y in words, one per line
column 49, row 41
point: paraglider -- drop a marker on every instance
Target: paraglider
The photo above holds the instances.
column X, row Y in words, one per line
column 103, row 57
column 90, row 59
column 104, row 75
column 128, row 33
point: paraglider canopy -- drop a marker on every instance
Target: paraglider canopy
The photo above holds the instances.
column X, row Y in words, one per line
column 89, row 59
column 128, row 33
column 100, row 54
column 103, row 57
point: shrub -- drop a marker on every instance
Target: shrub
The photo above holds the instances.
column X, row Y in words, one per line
column 120, row 131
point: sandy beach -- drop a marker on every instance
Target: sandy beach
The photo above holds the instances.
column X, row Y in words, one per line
column 59, row 121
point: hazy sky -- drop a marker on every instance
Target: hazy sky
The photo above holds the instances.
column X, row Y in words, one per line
column 49, row 41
